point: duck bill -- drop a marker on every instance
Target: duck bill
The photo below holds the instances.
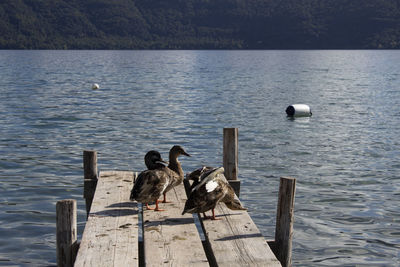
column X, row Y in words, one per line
column 165, row 163
column 186, row 154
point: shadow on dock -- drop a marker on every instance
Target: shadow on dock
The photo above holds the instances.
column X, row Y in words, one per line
column 114, row 213
column 239, row 237
column 170, row 221
column 128, row 204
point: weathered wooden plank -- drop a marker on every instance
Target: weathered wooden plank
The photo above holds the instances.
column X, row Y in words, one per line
column 90, row 177
column 230, row 153
column 236, row 241
column 110, row 237
column 172, row 239
column 284, row 220
column 230, row 157
column 90, row 164
column 66, row 232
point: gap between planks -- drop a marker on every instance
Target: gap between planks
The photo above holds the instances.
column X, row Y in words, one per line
column 235, row 240
column 170, row 238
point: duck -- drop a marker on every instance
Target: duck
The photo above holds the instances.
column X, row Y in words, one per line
column 153, row 183
column 174, row 169
column 153, row 161
column 211, row 189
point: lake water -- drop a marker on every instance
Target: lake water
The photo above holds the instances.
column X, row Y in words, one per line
column 345, row 157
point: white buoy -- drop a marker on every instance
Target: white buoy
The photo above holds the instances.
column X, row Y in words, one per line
column 95, row 86
column 298, row 110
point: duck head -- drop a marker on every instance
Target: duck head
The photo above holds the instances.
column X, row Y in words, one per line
column 176, row 151
column 153, row 160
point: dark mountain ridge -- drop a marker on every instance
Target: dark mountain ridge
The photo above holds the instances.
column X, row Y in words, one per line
column 200, row 24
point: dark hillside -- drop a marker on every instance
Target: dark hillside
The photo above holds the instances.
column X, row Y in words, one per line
column 199, row 24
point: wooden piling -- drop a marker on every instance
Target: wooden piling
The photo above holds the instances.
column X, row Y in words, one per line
column 66, row 232
column 282, row 246
column 230, row 158
column 90, row 177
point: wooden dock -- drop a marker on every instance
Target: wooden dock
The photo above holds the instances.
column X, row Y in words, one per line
column 119, row 232
column 111, row 232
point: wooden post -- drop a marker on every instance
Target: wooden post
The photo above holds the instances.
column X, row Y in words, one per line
column 230, row 160
column 66, row 232
column 90, row 177
column 284, row 221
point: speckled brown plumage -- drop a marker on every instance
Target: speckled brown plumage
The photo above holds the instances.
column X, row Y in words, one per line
column 151, row 184
column 212, row 189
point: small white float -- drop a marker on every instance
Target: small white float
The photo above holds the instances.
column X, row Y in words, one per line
column 95, row 86
column 298, row 110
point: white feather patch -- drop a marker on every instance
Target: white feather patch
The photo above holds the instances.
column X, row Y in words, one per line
column 210, row 186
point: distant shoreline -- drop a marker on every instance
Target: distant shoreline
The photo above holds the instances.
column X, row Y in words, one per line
column 200, row 25
column 195, row 49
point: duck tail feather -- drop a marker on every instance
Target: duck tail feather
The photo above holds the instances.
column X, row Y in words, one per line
column 235, row 205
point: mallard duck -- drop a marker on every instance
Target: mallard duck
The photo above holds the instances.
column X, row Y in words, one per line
column 174, row 169
column 153, row 161
column 153, row 183
column 212, row 188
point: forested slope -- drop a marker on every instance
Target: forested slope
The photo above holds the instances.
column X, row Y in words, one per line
column 199, row 24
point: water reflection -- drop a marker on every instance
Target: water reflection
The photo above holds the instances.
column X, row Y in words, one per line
column 344, row 156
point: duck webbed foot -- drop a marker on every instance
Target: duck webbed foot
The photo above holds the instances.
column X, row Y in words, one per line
column 148, row 207
column 157, row 208
column 213, row 218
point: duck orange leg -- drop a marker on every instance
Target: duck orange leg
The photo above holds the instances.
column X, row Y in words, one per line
column 165, row 198
column 213, row 216
column 148, row 207
column 157, row 208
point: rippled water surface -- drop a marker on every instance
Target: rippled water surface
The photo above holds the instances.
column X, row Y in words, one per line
column 345, row 157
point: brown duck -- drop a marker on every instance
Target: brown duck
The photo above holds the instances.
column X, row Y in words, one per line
column 153, row 161
column 151, row 184
column 212, row 189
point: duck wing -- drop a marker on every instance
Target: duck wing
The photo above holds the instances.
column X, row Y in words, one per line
column 197, row 175
column 230, row 200
column 174, row 179
column 137, row 187
column 150, row 185
column 205, row 195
